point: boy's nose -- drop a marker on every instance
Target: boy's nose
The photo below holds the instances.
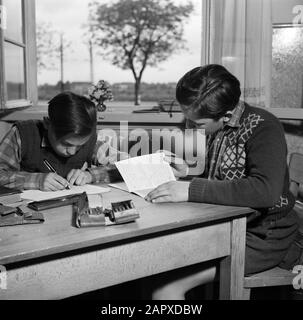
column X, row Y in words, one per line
column 71, row 151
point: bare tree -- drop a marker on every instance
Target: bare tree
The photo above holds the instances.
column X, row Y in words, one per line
column 47, row 46
column 134, row 34
column 51, row 49
column 87, row 41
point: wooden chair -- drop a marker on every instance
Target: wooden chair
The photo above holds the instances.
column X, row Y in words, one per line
column 278, row 276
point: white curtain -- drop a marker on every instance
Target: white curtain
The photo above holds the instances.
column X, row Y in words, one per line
column 241, row 40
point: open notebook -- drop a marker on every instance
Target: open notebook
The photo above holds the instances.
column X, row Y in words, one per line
column 143, row 174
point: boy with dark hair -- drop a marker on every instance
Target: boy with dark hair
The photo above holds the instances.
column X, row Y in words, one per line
column 245, row 166
column 66, row 140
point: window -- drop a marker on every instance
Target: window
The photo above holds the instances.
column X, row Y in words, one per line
column 17, row 57
column 287, row 71
column 261, row 43
column 287, row 53
column 75, row 60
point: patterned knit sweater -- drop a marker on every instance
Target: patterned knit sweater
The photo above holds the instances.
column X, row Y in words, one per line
column 246, row 165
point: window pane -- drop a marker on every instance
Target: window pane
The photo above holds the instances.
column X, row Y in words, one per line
column 287, row 72
column 82, row 62
column 14, row 29
column 14, row 71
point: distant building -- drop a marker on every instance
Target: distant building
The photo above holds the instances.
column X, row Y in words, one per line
column 80, row 87
column 123, row 86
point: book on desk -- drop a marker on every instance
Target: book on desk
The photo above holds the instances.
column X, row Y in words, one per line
column 9, row 195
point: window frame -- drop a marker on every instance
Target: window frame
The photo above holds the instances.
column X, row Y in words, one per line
column 205, row 32
column 288, row 113
column 281, row 113
column 30, row 65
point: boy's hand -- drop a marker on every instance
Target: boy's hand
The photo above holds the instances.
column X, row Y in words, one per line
column 79, row 177
column 52, row 182
column 178, row 165
column 172, row 191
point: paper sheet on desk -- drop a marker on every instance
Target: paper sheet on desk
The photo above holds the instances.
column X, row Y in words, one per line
column 37, row 195
column 143, row 174
column 123, row 186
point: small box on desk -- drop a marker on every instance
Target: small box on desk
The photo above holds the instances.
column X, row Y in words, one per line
column 9, row 195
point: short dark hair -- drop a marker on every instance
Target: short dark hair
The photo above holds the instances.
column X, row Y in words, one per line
column 208, row 91
column 70, row 113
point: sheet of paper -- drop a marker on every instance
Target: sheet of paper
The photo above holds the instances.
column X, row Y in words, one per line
column 123, row 186
column 143, row 174
column 119, row 185
column 37, row 195
column 143, row 193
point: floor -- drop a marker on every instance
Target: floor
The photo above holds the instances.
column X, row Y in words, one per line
column 136, row 290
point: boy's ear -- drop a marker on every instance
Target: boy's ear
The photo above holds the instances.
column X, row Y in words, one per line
column 46, row 122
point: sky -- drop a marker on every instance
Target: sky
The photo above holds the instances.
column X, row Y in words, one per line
column 69, row 16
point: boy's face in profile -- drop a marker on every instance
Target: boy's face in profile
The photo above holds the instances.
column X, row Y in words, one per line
column 209, row 125
column 68, row 145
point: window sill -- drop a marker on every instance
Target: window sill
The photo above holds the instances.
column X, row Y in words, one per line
column 161, row 117
column 111, row 117
column 287, row 113
column 107, row 117
column 15, row 104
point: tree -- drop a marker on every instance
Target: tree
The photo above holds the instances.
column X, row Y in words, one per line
column 87, row 36
column 51, row 47
column 47, row 46
column 134, row 34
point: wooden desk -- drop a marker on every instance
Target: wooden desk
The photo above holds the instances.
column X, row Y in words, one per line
column 55, row 260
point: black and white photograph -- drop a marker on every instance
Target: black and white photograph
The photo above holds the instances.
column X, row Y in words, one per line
column 151, row 155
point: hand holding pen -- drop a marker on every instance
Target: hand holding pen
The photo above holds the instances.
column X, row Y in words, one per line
column 53, row 181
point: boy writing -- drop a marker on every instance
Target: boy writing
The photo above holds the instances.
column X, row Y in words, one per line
column 67, row 140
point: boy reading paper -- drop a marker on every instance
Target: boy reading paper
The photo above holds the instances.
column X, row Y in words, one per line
column 246, row 166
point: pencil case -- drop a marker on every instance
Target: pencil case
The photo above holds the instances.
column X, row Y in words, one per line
column 55, row 202
column 120, row 212
column 10, row 216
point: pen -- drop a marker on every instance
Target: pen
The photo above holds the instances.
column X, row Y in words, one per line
column 49, row 166
column 52, row 169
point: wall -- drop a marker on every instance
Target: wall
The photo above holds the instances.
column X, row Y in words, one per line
column 282, row 10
